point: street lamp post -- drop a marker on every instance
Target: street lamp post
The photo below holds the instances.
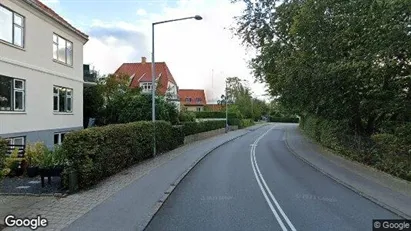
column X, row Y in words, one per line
column 226, row 108
column 153, row 75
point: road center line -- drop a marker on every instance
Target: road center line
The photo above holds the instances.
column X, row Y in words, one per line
column 259, row 176
column 265, row 194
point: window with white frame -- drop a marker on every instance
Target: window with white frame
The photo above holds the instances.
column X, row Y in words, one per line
column 62, row 50
column 198, row 100
column 11, row 27
column 62, row 99
column 16, row 142
column 199, row 109
column 188, row 100
column 12, row 94
column 59, row 138
column 146, row 87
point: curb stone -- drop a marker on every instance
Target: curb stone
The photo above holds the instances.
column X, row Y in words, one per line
column 173, row 185
column 57, row 195
column 352, row 188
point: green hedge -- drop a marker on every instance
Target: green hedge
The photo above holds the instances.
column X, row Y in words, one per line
column 191, row 128
column 241, row 123
column 388, row 152
column 187, row 116
column 99, row 152
column 178, row 134
column 246, row 123
column 214, row 114
column 234, row 122
column 283, row 119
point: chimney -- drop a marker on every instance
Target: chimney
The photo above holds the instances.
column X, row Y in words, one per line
column 143, row 60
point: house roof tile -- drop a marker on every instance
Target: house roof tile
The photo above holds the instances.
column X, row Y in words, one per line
column 142, row 72
column 193, row 94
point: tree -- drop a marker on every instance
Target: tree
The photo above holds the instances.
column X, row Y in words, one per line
column 342, row 60
column 123, row 104
column 138, row 107
column 93, row 102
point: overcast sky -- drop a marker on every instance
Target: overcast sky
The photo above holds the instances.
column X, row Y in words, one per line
column 200, row 54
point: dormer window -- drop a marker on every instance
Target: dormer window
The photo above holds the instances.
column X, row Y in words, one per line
column 146, row 87
column 198, row 100
column 188, row 100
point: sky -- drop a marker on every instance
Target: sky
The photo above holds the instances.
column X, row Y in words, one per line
column 199, row 54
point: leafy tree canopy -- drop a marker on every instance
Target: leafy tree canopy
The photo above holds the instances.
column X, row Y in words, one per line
column 337, row 59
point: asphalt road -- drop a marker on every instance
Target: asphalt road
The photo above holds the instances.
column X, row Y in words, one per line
column 256, row 183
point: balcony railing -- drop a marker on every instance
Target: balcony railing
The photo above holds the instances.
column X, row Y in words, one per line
column 89, row 75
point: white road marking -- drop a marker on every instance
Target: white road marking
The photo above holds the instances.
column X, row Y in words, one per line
column 258, row 175
column 265, row 194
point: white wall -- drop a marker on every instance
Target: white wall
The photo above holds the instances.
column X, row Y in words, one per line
column 39, row 113
column 35, row 64
column 171, row 90
column 38, row 50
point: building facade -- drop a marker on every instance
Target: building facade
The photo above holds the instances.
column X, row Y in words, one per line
column 141, row 76
column 192, row 99
column 41, row 74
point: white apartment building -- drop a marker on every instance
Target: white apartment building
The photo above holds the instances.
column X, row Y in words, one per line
column 41, row 74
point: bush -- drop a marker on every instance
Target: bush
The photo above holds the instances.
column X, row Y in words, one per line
column 283, row 119
column 394, row 156
column 387, row 152
column 191, row 128
column 186, row 116
column 214, row 114
column 98, row 152
column 246, row 123
column 13, row 164
column 234, row 122
column 3, row 150
column 178, row 135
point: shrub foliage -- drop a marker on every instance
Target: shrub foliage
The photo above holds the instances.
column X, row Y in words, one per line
column 388, row 152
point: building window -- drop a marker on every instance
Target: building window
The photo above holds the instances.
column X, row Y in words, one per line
column 199, row 109
column 198, row 100
column 146, row 87
column 62, row 99
column 188, row 100
column 59, row 138
column 11, row 27
column 16, row 142
column 12, row 94
column 62, row 50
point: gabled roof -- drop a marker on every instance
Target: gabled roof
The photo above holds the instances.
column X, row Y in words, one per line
column 51, row 13
column 142, row 72
column 193, row 94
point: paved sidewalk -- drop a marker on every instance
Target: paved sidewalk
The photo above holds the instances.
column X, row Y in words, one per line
column 388, row 191
column 128, row 199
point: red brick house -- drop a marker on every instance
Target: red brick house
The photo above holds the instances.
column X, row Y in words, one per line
column 192, row 99
column 140, row 76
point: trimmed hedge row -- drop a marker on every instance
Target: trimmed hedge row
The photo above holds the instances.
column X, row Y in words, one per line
column 283, row 119
column 190, row 128
column 178, row 134
column 241, row 123
column 213, row 114
column 246, row 123
column 388, row 152
column 99, row 152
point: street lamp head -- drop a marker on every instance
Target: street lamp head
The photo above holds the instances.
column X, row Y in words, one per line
column 198, row 17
